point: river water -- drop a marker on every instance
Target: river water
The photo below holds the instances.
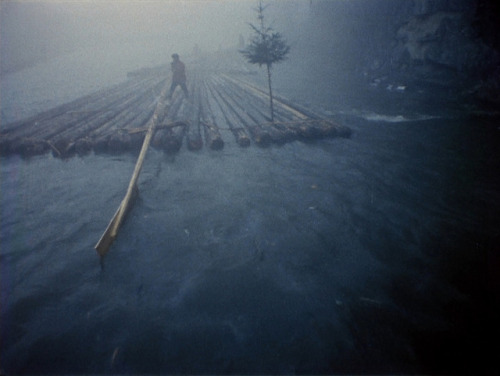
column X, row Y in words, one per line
column 363, row 255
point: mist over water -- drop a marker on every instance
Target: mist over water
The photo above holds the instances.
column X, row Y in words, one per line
column 364, row 255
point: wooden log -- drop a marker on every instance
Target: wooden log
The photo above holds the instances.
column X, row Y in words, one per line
column 174, row 139
column 256, row 104
column 161, row 137
column 192, row 114
column 63, row 148
column 66, row 139
column 105, row 139
column 296, row 112
column 176, row 103
column 23, row 128
column 117, row 139
column 286, row 132
column 309, row 124
column 194, row 140
column 169, row 138
column 260, row 99
column 25, row 147
column 215, row 111
column 185, row 110
column 119, row 142
column 111, row 231
column 83, row 146
column 5, row 146
column 101, row 142
column 252, row 106
column 212, row 135
column 126, row 119
column 238, row 131
column 148, row 72
column 158, row 127
column 260, row 136
column 64, row 124
column 104, row 121
column 328, row 128
column 343, row 131
column 120, row 112
column 284, row 128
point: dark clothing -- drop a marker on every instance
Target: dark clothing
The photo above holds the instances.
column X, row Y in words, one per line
column 182, row 85
column 178, row 71
column 178, row 77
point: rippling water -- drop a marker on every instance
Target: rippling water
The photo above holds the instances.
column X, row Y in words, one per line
column 358, row 255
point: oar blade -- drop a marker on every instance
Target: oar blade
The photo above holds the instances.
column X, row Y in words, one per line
column 108, row 236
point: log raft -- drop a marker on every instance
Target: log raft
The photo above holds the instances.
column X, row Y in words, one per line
column 112, row 120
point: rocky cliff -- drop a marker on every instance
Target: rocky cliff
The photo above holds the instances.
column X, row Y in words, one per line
column 447, row 47
column 444, row 44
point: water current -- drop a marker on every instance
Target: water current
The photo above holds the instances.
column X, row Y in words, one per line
column 359, row 255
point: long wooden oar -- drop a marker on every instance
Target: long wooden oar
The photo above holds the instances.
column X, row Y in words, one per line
column 111, row 231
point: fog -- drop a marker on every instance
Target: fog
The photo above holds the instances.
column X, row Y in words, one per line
column 335, row 35
column 360, row 255
column 33, row 31
column 329, row 39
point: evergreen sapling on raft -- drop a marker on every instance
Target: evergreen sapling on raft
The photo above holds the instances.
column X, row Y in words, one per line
column 266, row 48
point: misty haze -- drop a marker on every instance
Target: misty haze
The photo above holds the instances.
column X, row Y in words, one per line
column 348, row 225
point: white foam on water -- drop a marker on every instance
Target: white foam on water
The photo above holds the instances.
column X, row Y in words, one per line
column 372, row 116
column 377, row 117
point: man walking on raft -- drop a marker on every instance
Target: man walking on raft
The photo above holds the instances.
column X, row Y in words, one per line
column 178, row 76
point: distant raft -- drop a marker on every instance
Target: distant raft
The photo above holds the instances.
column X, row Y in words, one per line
column 113, row 120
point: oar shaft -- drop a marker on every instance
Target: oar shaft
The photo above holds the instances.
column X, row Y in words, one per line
column 111, row 231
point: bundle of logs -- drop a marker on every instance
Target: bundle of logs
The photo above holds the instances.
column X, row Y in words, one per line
column 113, row 120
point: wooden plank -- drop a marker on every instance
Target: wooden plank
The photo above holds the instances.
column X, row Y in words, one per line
column 111, row 231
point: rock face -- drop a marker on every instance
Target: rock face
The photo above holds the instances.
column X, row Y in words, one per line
column 428, row 38
column 412, row 42
column 444, row 39
column 447, row 43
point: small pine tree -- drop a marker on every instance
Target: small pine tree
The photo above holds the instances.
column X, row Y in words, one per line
column 266, row 48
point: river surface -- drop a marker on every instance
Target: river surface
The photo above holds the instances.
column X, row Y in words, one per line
column 373, row 254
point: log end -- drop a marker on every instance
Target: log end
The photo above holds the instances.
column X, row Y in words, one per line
column 195, row 144
column 83, row 146
column 242, row 139
column 101, row 145
column 120, row 142
column 216, row 143
column 263, row 139
column 26, row 148
column 63, row 148
column 343, row 131
column 166, row 140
